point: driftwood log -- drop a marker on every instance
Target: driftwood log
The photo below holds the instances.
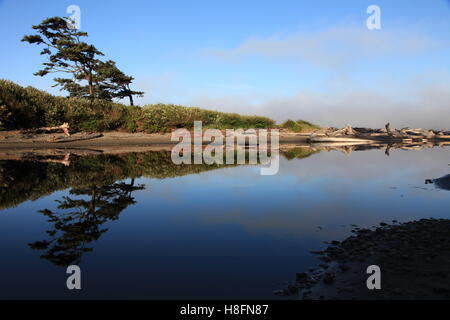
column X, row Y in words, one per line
column 64, row 128
column 347, row 131
column 88, row 136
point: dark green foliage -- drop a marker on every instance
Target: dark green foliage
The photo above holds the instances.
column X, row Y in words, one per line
column 66, row 53
column 27, row 107
column 113, row 83
column 24, row 108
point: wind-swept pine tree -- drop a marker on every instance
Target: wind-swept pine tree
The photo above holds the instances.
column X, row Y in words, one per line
column 66, row 53
column 114, row 83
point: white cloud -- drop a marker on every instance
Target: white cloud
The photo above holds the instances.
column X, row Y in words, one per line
column 422, row 100
column 414, row 99
column 414, row 106
column 334, row 47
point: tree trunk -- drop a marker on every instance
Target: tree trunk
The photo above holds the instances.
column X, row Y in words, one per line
column 92, row 202
column 131, row 187
column 130, row 95
column 91, row 85
column 131, row 100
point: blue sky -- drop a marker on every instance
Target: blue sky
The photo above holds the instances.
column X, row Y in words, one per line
column 285, row 59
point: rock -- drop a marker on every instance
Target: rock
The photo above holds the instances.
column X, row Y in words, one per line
column 328, row 278
column 416, row 251
column 292, row 290
column 301, row 277
column 278, row 292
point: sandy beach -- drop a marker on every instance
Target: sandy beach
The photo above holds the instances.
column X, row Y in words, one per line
column 16, row 139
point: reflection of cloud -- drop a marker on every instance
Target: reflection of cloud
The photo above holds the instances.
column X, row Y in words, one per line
column 328, row 190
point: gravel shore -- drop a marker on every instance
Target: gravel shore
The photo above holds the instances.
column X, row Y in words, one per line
column 414, row 259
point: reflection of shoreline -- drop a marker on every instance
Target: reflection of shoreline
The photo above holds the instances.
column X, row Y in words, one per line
column 36, row 153
column 36, row 176
column 413, row 258
column 12, row 140
column 28, row 153
column 28, row 174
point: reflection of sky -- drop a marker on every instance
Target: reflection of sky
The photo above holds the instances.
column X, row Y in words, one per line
column 327, row 189
column 229, row 232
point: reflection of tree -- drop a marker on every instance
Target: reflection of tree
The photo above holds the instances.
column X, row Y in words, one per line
column 79, row 221
column 30, row 180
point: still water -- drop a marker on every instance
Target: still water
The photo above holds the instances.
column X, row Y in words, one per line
column 142, row 227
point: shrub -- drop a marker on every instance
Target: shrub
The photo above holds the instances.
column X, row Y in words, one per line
column 131, row 126
column 24, row 108
column 299, row 126
column 173, row 116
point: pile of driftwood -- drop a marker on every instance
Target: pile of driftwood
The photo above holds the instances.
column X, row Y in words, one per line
column 385, row 134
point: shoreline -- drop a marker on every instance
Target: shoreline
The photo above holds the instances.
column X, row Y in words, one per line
column 18, row 140
column 15, row 145
column 413, row 258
